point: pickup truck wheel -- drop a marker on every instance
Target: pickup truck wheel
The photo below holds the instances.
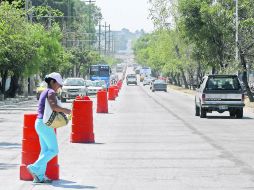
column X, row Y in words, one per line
column 239, row 113
column 202, row 113
column 232, row 113
column 197, row 111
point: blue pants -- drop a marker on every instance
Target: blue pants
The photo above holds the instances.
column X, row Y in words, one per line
column 49, row 147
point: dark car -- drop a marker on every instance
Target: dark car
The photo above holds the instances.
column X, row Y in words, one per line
column 159, row 85
column 131, row 79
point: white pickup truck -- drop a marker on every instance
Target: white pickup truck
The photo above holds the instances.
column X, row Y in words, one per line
column 219, row 93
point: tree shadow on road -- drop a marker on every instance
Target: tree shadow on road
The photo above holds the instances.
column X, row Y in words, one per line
column 226, row 117
column 4, row 166
column 7, row 145
column 70, row 185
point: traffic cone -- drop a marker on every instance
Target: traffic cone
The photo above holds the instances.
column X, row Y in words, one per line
column 31, row 150
column 116, row 92
column 111, row 93
column 82, row 121
column 102, row 102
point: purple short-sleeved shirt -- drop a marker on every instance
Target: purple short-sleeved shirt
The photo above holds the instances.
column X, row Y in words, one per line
column 42, row 100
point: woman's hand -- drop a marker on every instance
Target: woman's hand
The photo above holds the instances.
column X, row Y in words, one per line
column 68, row 111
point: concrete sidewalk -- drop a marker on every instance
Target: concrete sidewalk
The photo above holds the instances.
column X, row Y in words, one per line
column 17, row 100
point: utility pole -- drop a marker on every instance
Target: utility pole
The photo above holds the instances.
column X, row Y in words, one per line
column 236, row 30
column 89, row 20
column 109, row 38
column 112, row 43
column 100, row 37
column 105, row 48
column 27, row 84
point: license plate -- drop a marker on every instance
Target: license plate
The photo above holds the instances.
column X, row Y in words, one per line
column 223, row 107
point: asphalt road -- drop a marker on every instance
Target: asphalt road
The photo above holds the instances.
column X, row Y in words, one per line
column 148, row 141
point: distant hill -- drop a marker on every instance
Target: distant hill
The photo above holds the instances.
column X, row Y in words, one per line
column 123, row 39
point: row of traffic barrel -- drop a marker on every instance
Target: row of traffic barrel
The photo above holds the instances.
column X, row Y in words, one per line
column 81, row 130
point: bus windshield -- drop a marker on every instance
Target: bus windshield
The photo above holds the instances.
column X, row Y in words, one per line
column 99, row 71
column 94, row 70
column 104, row 71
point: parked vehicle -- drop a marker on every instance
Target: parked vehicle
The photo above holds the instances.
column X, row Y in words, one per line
column 219, row 93
column 96, row 86
column 159, row 85
column 131, row 79
column 73, row 87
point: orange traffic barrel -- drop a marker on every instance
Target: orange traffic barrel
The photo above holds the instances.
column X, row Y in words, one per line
column 31, row 150
column 102, row 101
column 116, row 90
column 111, row 93
column 119, row 85
column 82, row 121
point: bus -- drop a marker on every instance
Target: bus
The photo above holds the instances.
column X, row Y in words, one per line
column 100, row 72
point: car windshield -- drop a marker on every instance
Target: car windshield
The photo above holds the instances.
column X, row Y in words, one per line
column 89, row 83
column 131, row 76
column 159, row 82
column 74, row 82
column 223, row 83
column 98, row 83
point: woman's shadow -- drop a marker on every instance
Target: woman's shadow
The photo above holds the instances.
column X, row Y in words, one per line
column 70, row 185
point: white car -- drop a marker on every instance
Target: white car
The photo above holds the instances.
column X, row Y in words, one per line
column 95, row 86
column 73, row 87
column 148, row 80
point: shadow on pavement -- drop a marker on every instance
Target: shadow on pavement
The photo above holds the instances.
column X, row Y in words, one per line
column 70, row 185
column 4, row 166
column 226, row 117
column 6, row 145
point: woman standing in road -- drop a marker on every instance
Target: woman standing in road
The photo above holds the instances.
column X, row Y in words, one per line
column 47, row 136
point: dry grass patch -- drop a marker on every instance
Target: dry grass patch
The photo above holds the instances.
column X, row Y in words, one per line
column 181, row 89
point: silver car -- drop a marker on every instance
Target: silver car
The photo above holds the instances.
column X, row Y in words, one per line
column 73, row 87
column 95, row 86
column 219, row 93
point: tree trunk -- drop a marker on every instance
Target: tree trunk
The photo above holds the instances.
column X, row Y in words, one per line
column 13, row 86
column 4, row 75
column 174, row 79
column 184, row 79
column 178, row 79
column 199, row 78
column 213, row 70
column 245, row 80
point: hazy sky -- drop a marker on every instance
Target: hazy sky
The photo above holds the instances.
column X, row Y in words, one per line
column 131, row 14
